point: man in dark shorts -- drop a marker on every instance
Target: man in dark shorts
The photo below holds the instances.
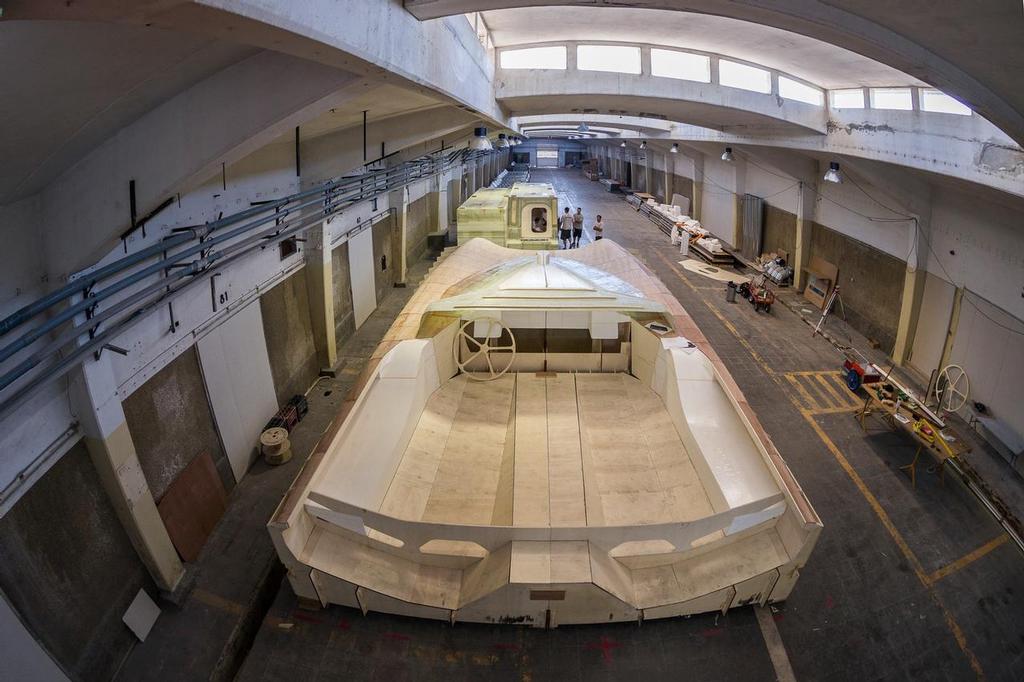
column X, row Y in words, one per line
column 565, row 229
column 577, row 228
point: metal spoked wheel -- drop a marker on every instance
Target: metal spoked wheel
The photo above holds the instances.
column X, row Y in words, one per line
column 952, row 388
column 476, row 348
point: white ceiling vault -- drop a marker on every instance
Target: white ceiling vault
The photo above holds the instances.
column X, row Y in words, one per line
column 69, row 85
column 807, row 58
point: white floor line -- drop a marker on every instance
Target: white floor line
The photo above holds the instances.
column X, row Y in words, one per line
column 772, row 640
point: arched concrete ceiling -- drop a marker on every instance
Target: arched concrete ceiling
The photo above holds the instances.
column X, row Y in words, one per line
column 971, row 50
column 807, row 58
column 67, row 86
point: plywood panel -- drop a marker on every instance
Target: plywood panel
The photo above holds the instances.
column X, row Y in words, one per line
column 466, row 486
column 192, row 506
column 236, row 371
column 531, row 497
column 565, row 457
column 361, row 269
column 409, row 491
column 634, row 462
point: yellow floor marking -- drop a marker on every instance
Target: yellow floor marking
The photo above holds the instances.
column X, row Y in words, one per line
column 844, row 463
column 834, row 410
column 968, row 559
column 218, row 602
column 721, row 318
column 897, row 537
column 824, row 381
column 809, row 402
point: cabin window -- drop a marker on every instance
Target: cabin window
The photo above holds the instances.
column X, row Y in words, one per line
column 539, row 220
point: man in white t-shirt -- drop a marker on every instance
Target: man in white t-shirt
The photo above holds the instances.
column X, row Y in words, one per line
column 565, row 229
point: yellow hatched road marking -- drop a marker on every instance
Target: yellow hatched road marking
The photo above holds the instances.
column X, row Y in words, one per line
column 830, row 388
column 968, row 558
column 808, row 412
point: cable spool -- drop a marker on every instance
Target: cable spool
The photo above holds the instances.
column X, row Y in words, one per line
column 275, row 446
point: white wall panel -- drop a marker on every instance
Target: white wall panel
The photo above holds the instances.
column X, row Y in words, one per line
column 236, row 370
column 360, row 264
column 936, row 307
column 989, row 345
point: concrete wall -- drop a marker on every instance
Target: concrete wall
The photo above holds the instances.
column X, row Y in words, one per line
column 69, row 569
column 779, row 230
column 171, row 423
column 562, row 145
column 871, row 283
column 682, row 185
column 420, row 221
column 344, row 317
column 289, row 334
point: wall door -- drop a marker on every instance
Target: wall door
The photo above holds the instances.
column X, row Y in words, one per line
column 360, row 266
column 547, row 157
column 236, row 371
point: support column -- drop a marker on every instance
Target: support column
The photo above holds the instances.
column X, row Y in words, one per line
column 670, row 169
column 804, row 226
column 698, row 188
column 320, row 285
column 913, row 291
column 647, row 173
column 739, row 185
column 94, row 394
column 398, row 201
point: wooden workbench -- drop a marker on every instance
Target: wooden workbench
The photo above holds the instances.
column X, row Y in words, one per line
column 894, row 417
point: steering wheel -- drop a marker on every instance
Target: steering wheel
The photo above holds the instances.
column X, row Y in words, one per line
column 484, row 348
column 952, row 388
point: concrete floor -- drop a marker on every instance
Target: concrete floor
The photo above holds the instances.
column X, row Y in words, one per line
column 904, row 583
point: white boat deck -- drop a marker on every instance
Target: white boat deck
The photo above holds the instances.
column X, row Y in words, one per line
column 546, row 449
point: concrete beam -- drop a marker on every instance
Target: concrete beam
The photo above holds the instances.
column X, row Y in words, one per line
column 971, row 53
column 966, row 148
column 373, row 39
column 537, row 91
column 180, row 143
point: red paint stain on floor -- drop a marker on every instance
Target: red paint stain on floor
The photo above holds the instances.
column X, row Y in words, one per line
column 606, row 646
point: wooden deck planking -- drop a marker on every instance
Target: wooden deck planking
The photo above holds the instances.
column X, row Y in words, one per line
column 568, row 506
column 467, row 483
column 409, row 491
column 531, row 506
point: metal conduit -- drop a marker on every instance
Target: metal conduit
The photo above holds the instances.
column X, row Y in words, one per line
column 331, row 203
column 200, row 232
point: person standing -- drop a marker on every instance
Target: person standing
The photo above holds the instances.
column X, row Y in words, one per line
column 598, row 229
column 577, row 228
column 565, row 229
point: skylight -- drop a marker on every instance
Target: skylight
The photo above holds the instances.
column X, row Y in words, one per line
column 616, row 58
column 534, row 58
column 891, row 98
column 940, row 102
column 682, row 65
column 795, row 90
column 744, row 77
column 848, row 99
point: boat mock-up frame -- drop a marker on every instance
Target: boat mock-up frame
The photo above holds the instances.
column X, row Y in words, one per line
column 544, row 438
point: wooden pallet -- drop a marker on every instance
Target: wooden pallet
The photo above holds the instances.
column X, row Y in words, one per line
column 724, row 258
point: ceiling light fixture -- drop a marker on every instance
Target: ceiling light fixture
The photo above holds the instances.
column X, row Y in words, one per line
column 727, row 155
column 583, row 127
column 675, row 148
column 623, row 144
column 643, row 145
column 480, row 143
column 833, row 174
column 502, row 141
